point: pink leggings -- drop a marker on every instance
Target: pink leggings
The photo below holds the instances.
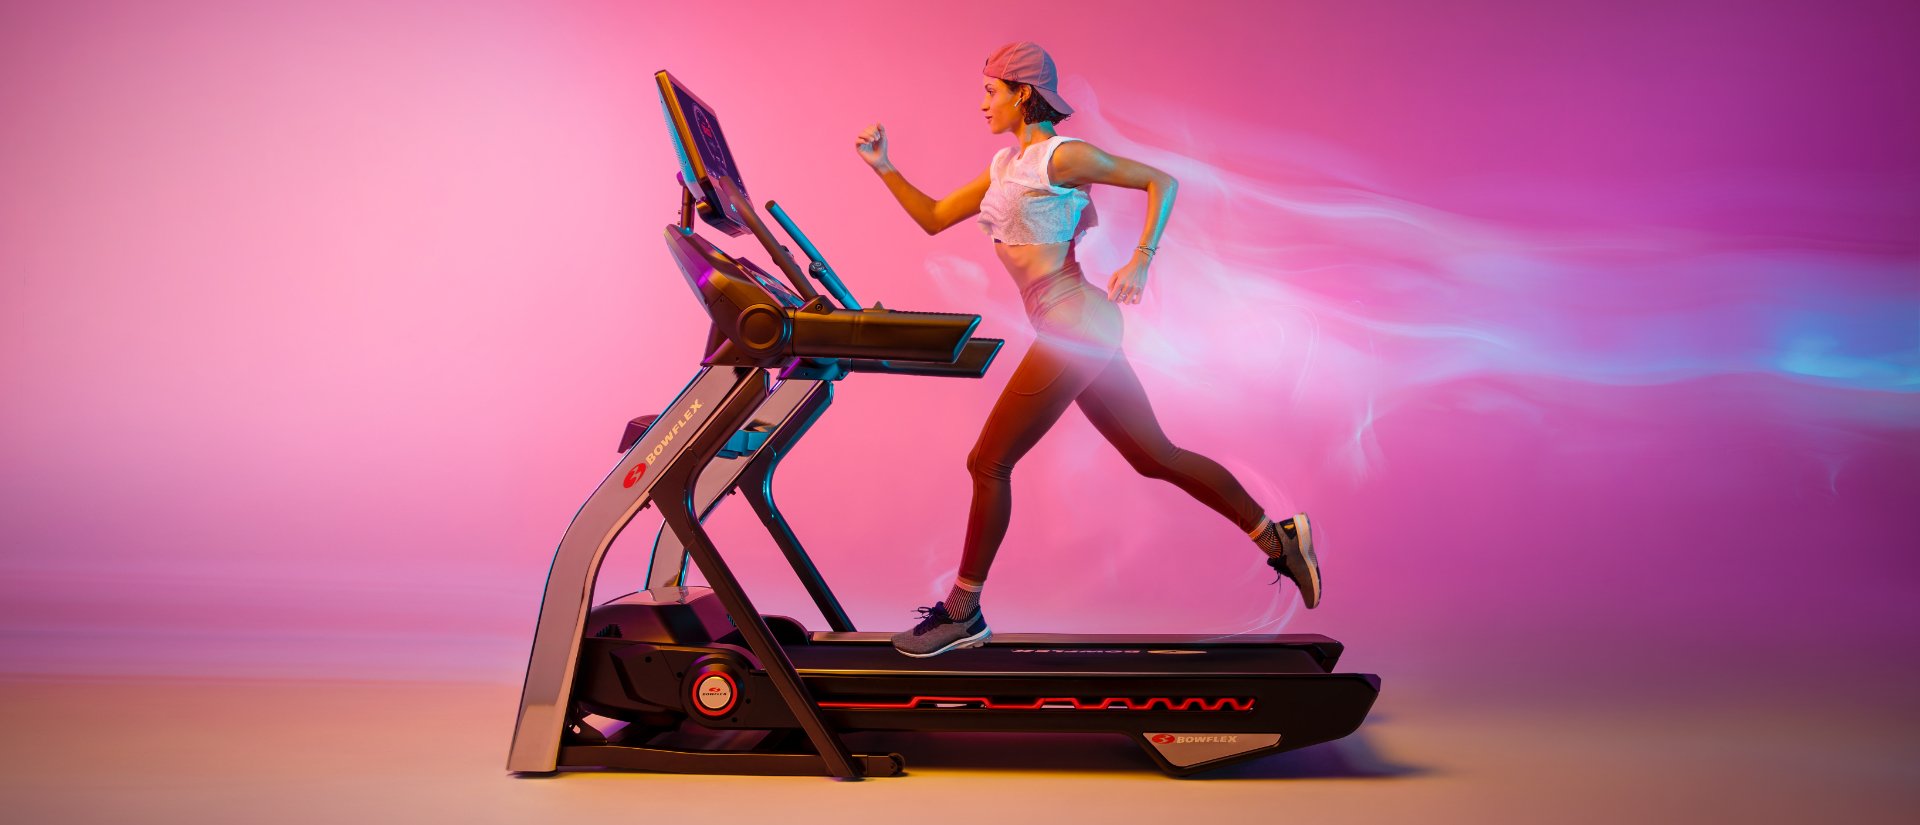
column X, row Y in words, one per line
column 1077, row 359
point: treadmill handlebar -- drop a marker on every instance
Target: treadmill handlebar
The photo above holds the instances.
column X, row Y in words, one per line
column 752, row 326
column 823, row 332
column 972, row 363
column 775, row 251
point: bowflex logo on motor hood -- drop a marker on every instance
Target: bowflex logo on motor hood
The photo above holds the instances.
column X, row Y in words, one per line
column 633, row 475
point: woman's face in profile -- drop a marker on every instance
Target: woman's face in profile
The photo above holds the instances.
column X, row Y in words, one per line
column 1001, row 108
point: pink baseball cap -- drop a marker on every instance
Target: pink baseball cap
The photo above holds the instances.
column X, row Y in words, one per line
column 1026, row 62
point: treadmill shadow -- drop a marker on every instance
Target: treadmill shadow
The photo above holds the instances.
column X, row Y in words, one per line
column 1348, row 758
column 1351, row 757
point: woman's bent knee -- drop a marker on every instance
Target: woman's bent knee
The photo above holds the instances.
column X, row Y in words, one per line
column 1158, row 464
column 982, row 467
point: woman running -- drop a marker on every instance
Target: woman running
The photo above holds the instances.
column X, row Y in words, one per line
column 1032, row 201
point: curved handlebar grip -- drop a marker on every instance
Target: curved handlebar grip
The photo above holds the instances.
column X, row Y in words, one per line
column 972, row 363
column 881, row 334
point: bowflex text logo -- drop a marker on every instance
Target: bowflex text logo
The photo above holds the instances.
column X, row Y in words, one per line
column 1171, row 739
column 633, row 475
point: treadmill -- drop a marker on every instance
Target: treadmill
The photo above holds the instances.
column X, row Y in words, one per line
column 695, row 680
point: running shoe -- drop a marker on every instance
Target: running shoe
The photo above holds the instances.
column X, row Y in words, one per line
column 1296, row 562
column 939, row 632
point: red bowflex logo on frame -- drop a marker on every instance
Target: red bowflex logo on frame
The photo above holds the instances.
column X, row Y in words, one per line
column 633, row 475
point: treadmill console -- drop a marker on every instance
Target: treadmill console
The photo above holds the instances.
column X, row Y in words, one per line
column 704, row 156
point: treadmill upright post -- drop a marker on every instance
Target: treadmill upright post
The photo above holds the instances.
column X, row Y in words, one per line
column 756, row 483
column 776, row 421
column 678, row 512
column 546, row 697
column 793, row 408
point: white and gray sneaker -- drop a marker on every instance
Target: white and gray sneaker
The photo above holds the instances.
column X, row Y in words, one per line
column 1296, row 559
column 939, row 632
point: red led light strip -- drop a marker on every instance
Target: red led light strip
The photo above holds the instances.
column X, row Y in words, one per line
column 1123, row 703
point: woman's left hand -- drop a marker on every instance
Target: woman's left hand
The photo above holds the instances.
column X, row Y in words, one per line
column 1127, row 285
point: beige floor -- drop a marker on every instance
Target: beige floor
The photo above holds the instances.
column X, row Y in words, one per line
column 163, row 752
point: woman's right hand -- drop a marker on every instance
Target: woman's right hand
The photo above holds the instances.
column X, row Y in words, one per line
column 872, row 146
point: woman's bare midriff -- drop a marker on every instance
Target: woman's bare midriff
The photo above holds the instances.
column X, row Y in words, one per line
column 1028, row 263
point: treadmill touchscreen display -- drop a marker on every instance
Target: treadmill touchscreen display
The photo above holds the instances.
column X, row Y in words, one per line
column 707, row 138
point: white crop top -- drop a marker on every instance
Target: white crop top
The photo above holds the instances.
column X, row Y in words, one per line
column 1022, row 206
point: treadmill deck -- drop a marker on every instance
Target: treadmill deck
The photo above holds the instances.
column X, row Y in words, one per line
column 1017, row 654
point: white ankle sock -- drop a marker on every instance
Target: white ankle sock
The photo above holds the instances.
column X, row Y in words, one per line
column 964, row 599
column 1270, row 539
column 1261, row 528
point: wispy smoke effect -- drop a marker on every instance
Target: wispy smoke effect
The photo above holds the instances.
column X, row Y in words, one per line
column 1303, row 274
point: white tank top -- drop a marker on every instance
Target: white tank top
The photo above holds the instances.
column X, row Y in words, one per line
column 1022, row 206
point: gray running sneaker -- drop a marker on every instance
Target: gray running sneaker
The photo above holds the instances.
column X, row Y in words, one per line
column 1297, row 562
column 938, row 632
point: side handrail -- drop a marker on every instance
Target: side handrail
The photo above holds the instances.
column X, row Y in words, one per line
column 819, row 267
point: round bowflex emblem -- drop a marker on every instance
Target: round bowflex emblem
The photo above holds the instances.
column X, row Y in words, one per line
column 713, row 694
column 1163, row 738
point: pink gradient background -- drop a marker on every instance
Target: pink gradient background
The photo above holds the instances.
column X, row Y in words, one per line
column 1590, row 333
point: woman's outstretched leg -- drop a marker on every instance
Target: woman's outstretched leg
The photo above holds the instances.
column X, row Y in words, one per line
column 1117, row 405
